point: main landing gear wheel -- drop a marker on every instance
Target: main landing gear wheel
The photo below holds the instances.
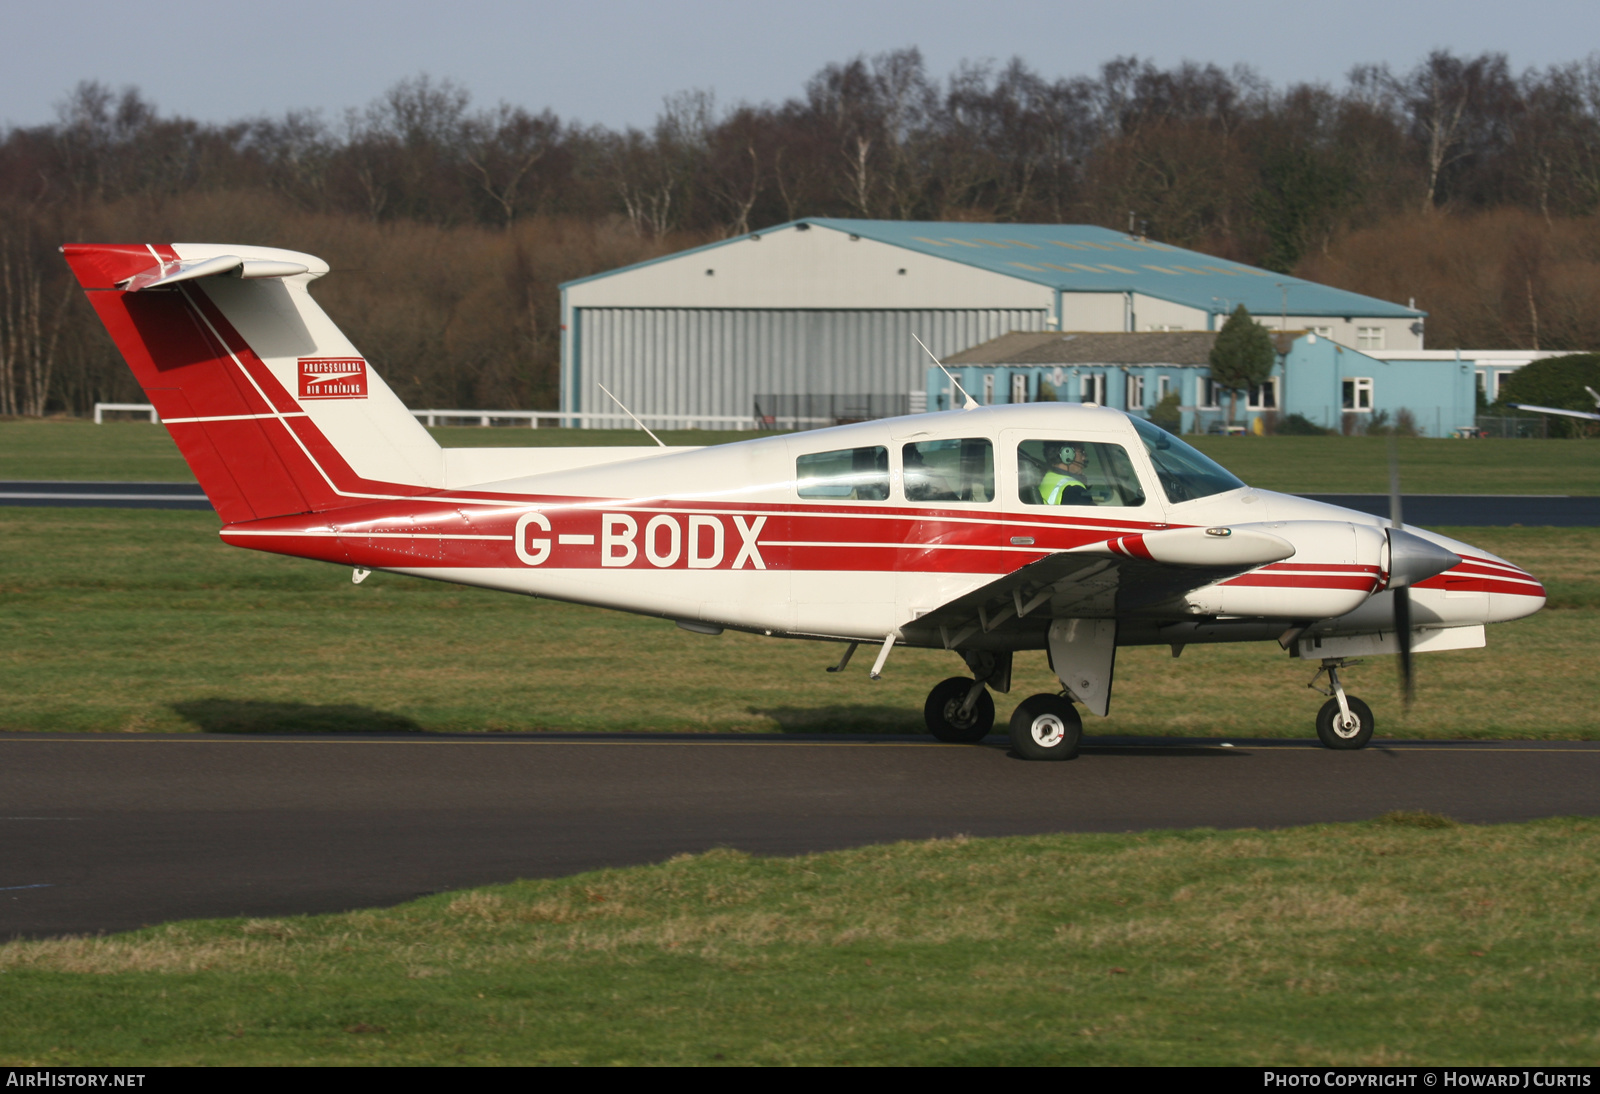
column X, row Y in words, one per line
column 1333, row 730
column 1046, row 727
column 943, row 712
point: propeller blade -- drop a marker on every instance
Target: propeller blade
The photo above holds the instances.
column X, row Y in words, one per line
column 1394, row 483
column 1411, row 559
column 1399, row 578
column 1402, row 633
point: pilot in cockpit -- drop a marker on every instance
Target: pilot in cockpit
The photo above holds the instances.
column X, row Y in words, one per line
column 1063, row 483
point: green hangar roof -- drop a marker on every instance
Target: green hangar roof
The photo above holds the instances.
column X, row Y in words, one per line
column 1085, row 258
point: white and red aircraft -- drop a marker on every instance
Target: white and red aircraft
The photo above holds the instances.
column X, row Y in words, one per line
column 1069, row 528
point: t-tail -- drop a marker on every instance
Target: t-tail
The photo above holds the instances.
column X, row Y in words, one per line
column 273, row 408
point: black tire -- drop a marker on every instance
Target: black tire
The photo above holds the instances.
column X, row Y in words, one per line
column 1333, row 736
column 1046, row 727
column 942, row 712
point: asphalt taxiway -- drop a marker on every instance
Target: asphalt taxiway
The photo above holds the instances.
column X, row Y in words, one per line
column 101, row 833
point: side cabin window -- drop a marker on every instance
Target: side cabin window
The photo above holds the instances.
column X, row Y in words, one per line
column 959, row 469
column 856, row 474
column 1060, row 472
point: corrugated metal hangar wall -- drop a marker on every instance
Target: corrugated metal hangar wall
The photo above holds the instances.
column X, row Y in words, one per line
column 826, row 309
column 724, row 361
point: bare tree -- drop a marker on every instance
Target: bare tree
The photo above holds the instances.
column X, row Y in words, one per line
column 501, row 147
column 29, row 330
column 1442, row 95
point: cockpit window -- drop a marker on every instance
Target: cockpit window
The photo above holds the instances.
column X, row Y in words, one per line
column 1184, row 472
column 858, row 474
column 1063, row 472
column 959, row 469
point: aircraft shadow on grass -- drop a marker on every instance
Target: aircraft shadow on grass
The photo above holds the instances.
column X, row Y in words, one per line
column 255, row 716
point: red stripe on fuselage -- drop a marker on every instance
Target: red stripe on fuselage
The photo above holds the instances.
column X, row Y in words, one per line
column 396, row 533
column 1450, row 582
column 1303, row 581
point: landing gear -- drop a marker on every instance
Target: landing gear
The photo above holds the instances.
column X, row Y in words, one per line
column 1046, row 727
column 1338, row 730
column 959, row 710
column 1344, row 722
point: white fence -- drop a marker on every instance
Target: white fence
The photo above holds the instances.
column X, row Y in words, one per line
column 551, row 419
column 136, row 408
column 548, row 419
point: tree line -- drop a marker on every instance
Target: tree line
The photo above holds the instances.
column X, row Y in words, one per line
column 1459, row 183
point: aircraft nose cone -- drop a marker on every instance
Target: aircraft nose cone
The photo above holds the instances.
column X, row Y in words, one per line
column 1413, row 559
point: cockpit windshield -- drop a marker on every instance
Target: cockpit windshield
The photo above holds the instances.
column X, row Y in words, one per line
column 1184, row 472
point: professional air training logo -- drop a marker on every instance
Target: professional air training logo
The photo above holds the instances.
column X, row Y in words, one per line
column 333, row 378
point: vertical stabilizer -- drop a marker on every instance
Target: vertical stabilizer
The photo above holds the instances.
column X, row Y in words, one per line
column 274, row 409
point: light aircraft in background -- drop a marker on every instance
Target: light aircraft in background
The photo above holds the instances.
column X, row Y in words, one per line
column 954, row 530
column 1593, row 394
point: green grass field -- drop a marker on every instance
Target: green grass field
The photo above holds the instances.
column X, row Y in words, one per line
column 1407, row 940
column 139, row 452
column 140, row 620
column 1404, row 941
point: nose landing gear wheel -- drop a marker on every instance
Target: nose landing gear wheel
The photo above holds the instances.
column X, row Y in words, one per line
column 1335, row 734
column 943, row 714
column 1046, row 727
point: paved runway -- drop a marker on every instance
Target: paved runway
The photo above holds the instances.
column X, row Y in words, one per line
column 1479, row 510
column 105, row 495
column 1424, row 510
column 107, row 832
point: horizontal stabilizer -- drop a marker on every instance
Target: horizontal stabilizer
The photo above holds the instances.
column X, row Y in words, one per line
column 168, row 274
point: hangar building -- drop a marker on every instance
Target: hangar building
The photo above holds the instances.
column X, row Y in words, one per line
column 816, row 317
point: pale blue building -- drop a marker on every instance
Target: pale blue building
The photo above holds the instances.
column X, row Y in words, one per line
column 1330, row 385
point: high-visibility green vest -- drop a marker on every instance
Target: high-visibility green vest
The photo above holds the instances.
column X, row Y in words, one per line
column 1055, row 483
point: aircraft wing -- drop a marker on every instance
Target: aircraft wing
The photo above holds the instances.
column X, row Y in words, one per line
column 1555, row 410
column 1104, row 579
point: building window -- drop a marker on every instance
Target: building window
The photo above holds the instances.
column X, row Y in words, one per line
column 1162, row 326
column 1265, row 396
column 1323, row 332
column 1163, row 387
column 988, row 389
column 1135, row 391
column 1019, row 387
column 1358, row 393
column 1210, row 394
column 1369, row 338
column 1092, row 389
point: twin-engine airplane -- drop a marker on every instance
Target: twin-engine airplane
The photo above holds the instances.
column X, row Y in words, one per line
column 1069, row 528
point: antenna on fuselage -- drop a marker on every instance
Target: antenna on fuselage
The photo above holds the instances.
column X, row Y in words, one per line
column 632, row 415
column 971, row 404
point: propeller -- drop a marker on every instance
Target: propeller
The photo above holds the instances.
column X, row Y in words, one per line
column 1402, row 590
column 1411, row 559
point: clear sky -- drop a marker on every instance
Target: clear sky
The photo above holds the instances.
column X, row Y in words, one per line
column 612, row 61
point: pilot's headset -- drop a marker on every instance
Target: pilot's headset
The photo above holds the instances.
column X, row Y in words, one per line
column 1062, row 453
